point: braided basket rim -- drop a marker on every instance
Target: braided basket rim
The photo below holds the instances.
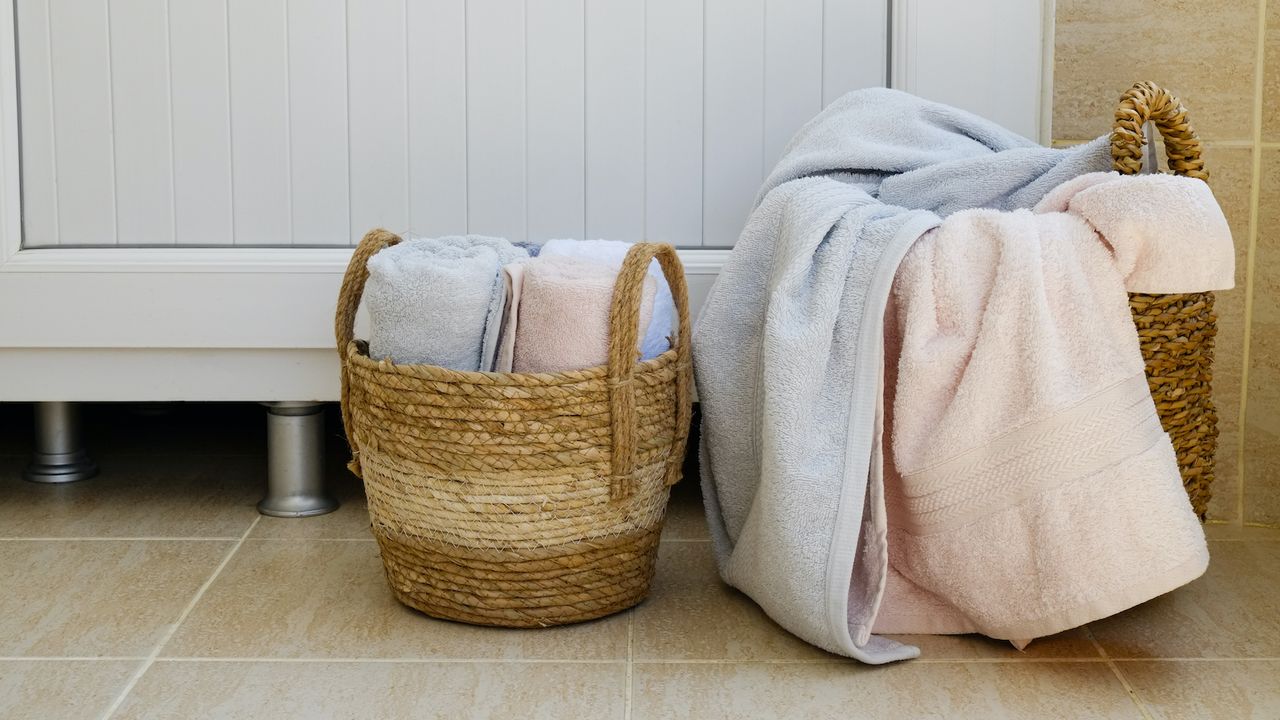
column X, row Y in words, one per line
column 357, row 354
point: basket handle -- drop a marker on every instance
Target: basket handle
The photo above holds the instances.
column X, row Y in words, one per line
column 1146, row 101
column 344, row 321
column 624, row 332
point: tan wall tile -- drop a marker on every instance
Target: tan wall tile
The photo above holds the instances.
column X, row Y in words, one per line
column 1271, row 77
column 1203, row 51
column 1262, row 425
column 1231, row 176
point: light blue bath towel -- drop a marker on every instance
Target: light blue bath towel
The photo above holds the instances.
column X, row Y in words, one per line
column 438, row 301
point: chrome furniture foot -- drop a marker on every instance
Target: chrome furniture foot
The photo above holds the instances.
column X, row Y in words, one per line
column 295, row 461
column 59, row 455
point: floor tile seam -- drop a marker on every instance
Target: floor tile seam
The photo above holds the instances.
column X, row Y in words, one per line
column 72, row 658
column 173, row 628
column 389, row 660
column 848, row 661
column 1120, row 676
column 630, row 692
column 264, row 538
column 1216, row 659
column 123, row 538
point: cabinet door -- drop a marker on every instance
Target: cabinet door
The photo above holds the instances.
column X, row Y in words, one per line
column 303, row 123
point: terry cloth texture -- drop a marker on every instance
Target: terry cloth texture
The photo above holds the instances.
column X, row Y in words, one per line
column 438, row 301
column 656, row 334
column 789, row 348
column 1031, row 488
column 563, row 322
column 512, row 283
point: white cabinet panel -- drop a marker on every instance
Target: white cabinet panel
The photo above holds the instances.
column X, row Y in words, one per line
column 792, row 71
column 259, row 121
column 39, row 153
column 318, row 170
column 143, row 141
column 555, row 71
column 496, row 118
column 733, row 134
column 307, row 122
column 673, row 122
column 378, row 95
column 615, row 119
column 201, row 103
column 969, row 55
column 437, row 117
column 854, row 50
column 85, row 172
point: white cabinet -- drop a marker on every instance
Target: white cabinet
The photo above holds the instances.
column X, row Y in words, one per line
column 182, row 181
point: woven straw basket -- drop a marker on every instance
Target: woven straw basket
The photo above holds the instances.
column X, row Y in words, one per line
column 519, row 499
column 1176, row 331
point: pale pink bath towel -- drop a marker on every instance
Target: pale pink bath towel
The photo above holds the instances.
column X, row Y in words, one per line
column 1030, row 488
column 563, row 316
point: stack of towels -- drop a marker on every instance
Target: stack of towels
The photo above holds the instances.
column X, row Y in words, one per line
column 483, row 303
column 924, row 408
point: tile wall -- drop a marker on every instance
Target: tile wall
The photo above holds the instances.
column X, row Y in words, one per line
column 1222, row 58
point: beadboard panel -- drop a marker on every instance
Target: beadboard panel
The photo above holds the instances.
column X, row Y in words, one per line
column 305, row 122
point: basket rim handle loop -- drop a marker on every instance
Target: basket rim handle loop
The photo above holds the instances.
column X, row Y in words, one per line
column 624, row 333
column 1147, row 101
column 344, row 322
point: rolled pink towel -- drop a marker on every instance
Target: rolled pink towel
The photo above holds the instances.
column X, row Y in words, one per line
column 563, row 321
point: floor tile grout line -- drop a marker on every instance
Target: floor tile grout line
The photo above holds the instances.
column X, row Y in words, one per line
column 1115, row 670
column 108, row 538
column 173, row 628
column 631, row 623
column 72, row 658
column 848, row 661
column 1195, row 659
column 262, row 538
column 619, row 661
column 392, row 660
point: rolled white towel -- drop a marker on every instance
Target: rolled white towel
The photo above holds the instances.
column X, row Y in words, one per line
column 438, row 301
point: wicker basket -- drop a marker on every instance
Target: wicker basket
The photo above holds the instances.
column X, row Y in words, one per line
column 1176, row 331
column 519, row 499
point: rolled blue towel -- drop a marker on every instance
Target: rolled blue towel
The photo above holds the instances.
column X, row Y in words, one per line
column 438, row 301
column 533, row 247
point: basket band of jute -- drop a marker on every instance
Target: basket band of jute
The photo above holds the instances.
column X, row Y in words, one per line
column 1176, row 331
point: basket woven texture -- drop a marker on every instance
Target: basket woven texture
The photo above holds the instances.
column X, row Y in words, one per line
column 1176, row 331
column 520, row 499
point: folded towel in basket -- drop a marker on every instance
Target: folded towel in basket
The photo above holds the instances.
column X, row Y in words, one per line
column 512, row 284
column 438, row 301
column 563, row 318
column 655, row 334
column 1030, row 486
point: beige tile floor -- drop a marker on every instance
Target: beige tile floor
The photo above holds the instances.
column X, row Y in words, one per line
column 156, row 591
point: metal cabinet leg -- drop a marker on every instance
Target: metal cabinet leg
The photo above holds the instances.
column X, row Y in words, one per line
column 295, row 461
column 59, row 455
